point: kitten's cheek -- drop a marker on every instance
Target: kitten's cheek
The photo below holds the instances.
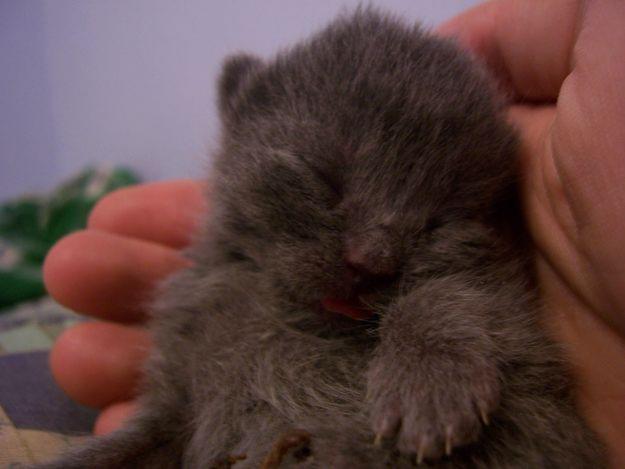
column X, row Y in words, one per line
column 113, row 417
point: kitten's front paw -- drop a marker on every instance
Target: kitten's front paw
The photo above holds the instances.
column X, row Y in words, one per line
column 431, row 409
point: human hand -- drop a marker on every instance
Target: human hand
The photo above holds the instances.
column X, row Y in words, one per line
column 108, row 271
column 562, row 61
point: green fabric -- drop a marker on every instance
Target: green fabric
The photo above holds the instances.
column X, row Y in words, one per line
column 30, row 225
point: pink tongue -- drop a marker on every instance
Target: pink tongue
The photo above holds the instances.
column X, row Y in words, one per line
column 346, row 308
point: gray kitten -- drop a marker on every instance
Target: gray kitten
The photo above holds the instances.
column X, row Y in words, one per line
column 368, row 171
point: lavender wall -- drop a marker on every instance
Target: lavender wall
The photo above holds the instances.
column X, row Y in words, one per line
column 133, row 81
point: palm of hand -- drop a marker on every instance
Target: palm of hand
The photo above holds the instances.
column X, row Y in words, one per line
column 572, row 170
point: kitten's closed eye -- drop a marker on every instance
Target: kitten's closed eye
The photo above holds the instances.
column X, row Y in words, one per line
column 433, row 223
column 333, row 180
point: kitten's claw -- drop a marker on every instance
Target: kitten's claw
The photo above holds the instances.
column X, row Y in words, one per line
column 484, row 416
column 426, row 420
column 448, row 441
column 420, row 453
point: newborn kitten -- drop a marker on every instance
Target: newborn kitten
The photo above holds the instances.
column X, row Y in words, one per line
column 368, row 171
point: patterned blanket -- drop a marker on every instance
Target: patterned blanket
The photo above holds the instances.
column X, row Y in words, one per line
column 37, row 421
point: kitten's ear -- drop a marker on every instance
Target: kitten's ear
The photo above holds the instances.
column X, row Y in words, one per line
column 235, row 73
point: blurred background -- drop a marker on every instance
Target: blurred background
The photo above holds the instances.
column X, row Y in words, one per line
column 132, row 82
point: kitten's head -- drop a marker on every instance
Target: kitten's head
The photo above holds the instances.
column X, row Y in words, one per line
column 343, row 157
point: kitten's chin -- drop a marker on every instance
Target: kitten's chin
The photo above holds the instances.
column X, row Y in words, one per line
column 352, row 308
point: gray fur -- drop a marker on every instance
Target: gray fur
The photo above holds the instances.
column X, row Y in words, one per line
column 372, row 160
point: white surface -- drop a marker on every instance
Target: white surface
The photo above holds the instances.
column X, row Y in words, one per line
column 133, row 81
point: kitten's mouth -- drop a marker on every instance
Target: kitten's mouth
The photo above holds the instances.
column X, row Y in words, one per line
column 350, row 307
column 360, row 297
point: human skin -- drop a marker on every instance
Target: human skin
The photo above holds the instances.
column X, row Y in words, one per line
column 561, row 61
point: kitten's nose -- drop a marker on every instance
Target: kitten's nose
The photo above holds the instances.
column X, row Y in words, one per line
column 372, row 254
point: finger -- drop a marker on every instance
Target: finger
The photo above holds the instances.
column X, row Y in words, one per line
column 162, row 212
column 97, row 363
column 106, row 275
column 113, row 417
column 527, row 44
